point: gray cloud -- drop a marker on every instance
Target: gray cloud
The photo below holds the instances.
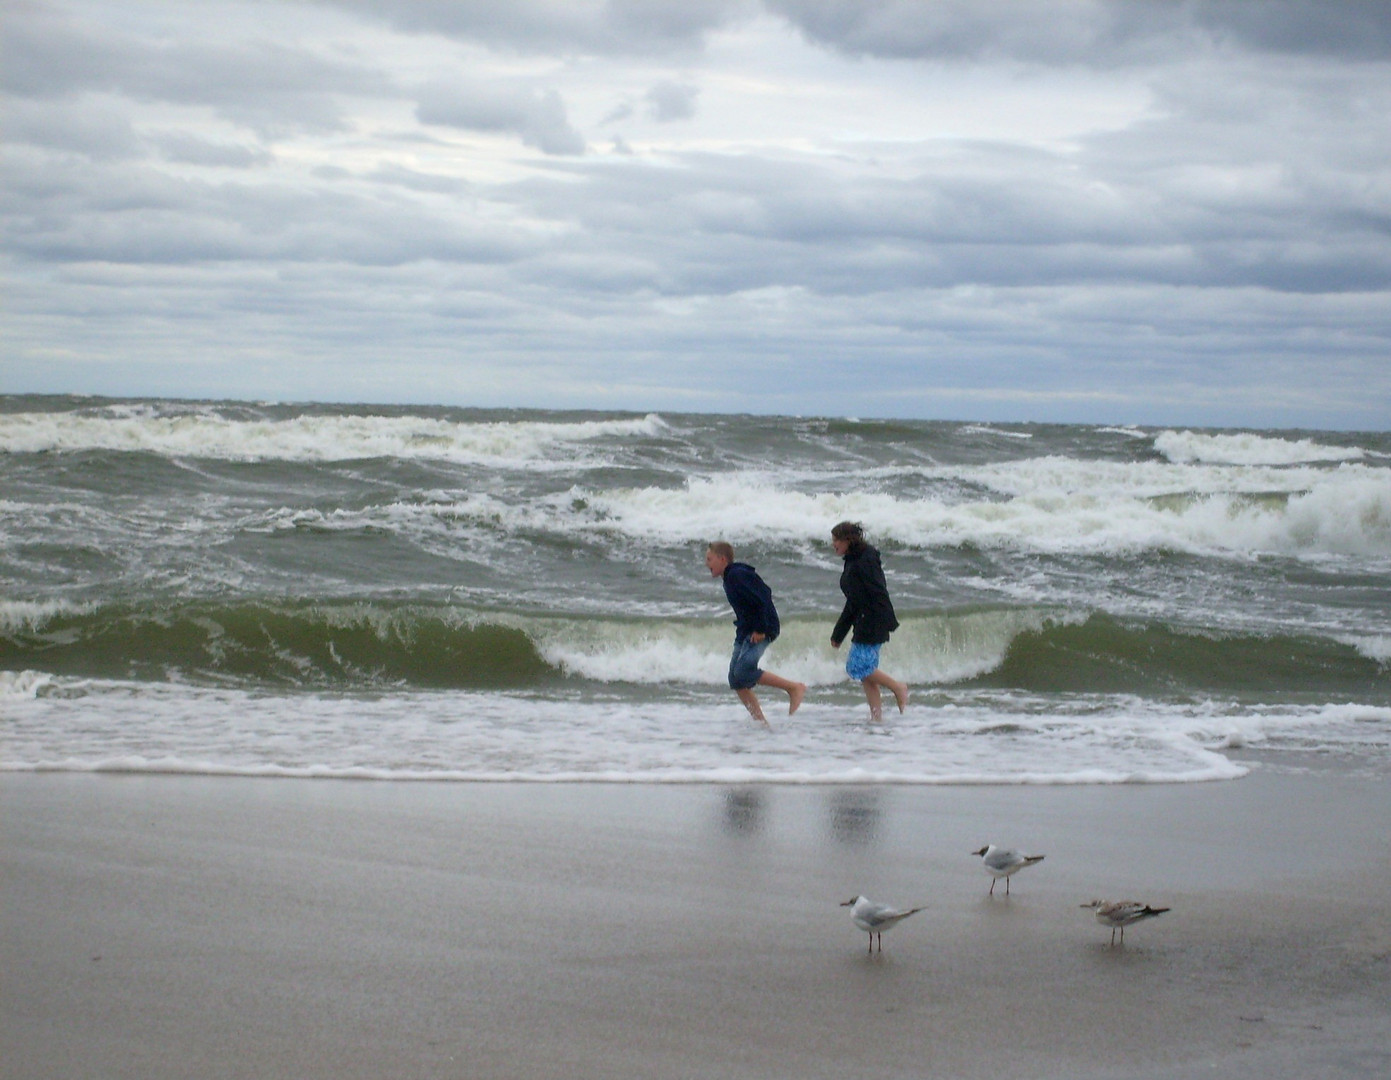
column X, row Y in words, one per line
column 1355, row 29
column 92, row 130
column 621, row 27
column 622, row 111
column 1098, row 31
column 1093, row 32
column 190, row 149
column 536, row 116
column 265, row 85
column 137, row 215
column 1102, row 32
column 672, row 101
column 986, row 214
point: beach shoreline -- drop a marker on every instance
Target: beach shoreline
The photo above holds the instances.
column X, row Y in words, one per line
column 162, row 926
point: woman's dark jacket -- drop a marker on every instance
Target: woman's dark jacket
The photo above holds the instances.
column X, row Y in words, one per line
column 867, row 605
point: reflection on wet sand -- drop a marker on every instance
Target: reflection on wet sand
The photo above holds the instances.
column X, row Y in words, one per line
column 855, row 815
column 743, row 811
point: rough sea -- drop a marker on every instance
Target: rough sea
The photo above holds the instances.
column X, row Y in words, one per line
column 455, row 594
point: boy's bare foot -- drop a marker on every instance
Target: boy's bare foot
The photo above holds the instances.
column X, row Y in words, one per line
column 794, row 697
column 750, row 700
column 901, row 696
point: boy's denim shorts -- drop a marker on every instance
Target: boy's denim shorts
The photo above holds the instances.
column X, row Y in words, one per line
column 862, row 661
column 744, row 671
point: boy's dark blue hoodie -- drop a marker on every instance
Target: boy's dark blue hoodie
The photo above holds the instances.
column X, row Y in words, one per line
column 752, row 602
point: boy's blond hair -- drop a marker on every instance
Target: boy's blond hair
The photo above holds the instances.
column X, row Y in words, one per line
column 724, row 550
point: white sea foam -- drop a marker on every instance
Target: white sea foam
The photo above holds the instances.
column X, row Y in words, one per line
column 31, row 615
column 309, row 438
column 1131, row 432
column 1292, row 497
column 23, row 684
column 983, row 429
column 1056, row 476
column 1051, row 505
column 1248, row 449
column 475, row 736
column 1374, row 647
column 926, row 649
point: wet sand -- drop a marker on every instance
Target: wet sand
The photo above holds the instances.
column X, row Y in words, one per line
column 165, row 926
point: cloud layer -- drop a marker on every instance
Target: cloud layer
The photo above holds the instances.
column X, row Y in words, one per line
column 1170, row 213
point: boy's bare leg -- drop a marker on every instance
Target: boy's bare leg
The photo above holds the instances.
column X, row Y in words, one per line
column 898, row 689
column 795, row 691
column 750, row 701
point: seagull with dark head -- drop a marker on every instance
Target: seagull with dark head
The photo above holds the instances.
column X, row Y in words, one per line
column 874, row 918
column 1003, row 862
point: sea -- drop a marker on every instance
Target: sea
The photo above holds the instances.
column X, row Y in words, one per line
column 465, row 595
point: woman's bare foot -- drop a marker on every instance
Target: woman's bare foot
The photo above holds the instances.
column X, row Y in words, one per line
column 794, row 697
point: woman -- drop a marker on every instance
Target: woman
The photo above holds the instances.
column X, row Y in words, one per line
column 869, row 611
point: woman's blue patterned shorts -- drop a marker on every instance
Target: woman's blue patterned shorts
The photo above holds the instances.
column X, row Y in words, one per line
column 862, row 661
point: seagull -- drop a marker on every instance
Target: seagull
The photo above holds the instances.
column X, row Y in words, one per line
column 875, row 918
column 1002, row 862
column 1118, row 914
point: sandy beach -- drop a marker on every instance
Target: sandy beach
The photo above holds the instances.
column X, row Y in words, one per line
column 177, row 926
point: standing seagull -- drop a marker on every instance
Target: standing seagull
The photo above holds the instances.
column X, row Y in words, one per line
column 1118, row 914
column 875, row 918
column 1002, row 862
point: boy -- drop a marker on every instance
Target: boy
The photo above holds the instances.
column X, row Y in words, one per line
column 755, row 627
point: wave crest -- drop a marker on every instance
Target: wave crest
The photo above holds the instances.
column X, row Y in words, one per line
column 209, row 434
column 1246, row 448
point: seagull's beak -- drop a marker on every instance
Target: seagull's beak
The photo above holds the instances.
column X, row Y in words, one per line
column 850, row 902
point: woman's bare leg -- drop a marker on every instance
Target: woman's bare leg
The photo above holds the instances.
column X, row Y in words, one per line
column 882, row 678
column 876, row 708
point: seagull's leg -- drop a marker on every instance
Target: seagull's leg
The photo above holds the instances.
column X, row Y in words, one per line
column 992, row 886
column 1113, row 937
column 1006, row 886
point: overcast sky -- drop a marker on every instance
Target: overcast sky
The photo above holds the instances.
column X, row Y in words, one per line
column 1126, row 212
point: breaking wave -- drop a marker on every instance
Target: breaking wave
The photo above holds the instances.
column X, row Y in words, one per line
column 372, row 646
column 209, row 433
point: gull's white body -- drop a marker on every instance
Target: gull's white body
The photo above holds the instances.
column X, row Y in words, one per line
column 874, row 918
column 1118, row 914
column 1001, row 862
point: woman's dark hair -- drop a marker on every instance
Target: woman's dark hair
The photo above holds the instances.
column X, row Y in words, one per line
column 851, row 532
